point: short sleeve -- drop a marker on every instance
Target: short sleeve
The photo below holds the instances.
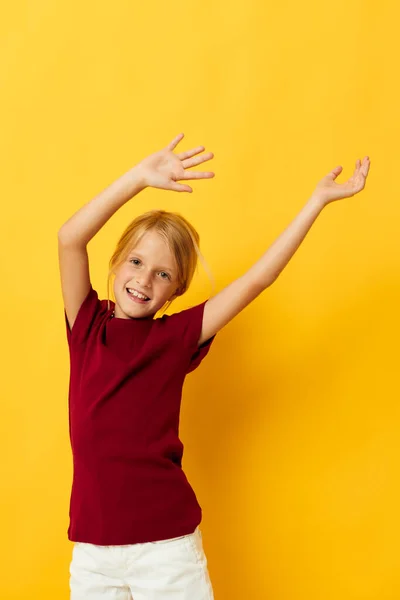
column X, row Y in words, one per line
column 89, row 309
column 187, row 326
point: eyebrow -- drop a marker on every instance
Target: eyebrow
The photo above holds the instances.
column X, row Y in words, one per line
column 134, row 253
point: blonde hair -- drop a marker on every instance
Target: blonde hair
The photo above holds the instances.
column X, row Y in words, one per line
column 181, row 237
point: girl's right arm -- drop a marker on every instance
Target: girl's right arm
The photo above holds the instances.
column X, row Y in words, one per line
column 162, row 169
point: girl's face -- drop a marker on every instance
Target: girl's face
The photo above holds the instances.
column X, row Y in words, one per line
column 150, row 269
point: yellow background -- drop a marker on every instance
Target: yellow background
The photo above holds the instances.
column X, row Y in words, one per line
column 291, row 424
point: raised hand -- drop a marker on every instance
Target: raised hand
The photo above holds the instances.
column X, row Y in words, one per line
column 164, row 169
column 328, row 190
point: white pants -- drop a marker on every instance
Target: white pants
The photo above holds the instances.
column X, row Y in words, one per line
column 175, row 569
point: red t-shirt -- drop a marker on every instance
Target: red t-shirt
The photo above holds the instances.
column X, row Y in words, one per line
column 126, row 378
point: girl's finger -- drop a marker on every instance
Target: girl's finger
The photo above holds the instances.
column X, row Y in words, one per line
column 198, row 175
column 180, row 187
column 365, row 165
column 190, row 153
column 192, row 162
column 172, row 145
column 357, row 168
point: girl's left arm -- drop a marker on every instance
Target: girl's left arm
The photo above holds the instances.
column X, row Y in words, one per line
column 224, row 306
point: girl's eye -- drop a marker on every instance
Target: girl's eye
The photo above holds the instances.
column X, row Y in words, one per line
column 163, row 274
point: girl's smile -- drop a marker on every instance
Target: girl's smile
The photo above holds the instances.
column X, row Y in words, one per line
column 137, row 296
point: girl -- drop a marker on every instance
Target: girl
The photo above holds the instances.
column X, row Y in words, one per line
column 134, row 518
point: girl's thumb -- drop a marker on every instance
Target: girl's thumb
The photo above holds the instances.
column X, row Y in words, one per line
column 180, row 187
column 335, row 172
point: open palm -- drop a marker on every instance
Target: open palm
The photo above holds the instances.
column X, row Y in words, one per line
column 164, row 169
column 329, row 190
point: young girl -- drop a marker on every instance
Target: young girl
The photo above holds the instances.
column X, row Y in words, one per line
column 134, row 517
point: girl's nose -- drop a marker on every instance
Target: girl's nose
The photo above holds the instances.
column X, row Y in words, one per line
column 143, row 279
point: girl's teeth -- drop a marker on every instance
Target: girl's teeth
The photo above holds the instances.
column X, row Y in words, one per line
column 135, row 293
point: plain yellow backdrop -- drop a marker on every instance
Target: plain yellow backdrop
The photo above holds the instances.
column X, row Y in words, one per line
column 291, row 424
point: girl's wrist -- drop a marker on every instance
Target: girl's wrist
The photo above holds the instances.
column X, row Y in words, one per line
column 137, row 178
column 318, row 200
